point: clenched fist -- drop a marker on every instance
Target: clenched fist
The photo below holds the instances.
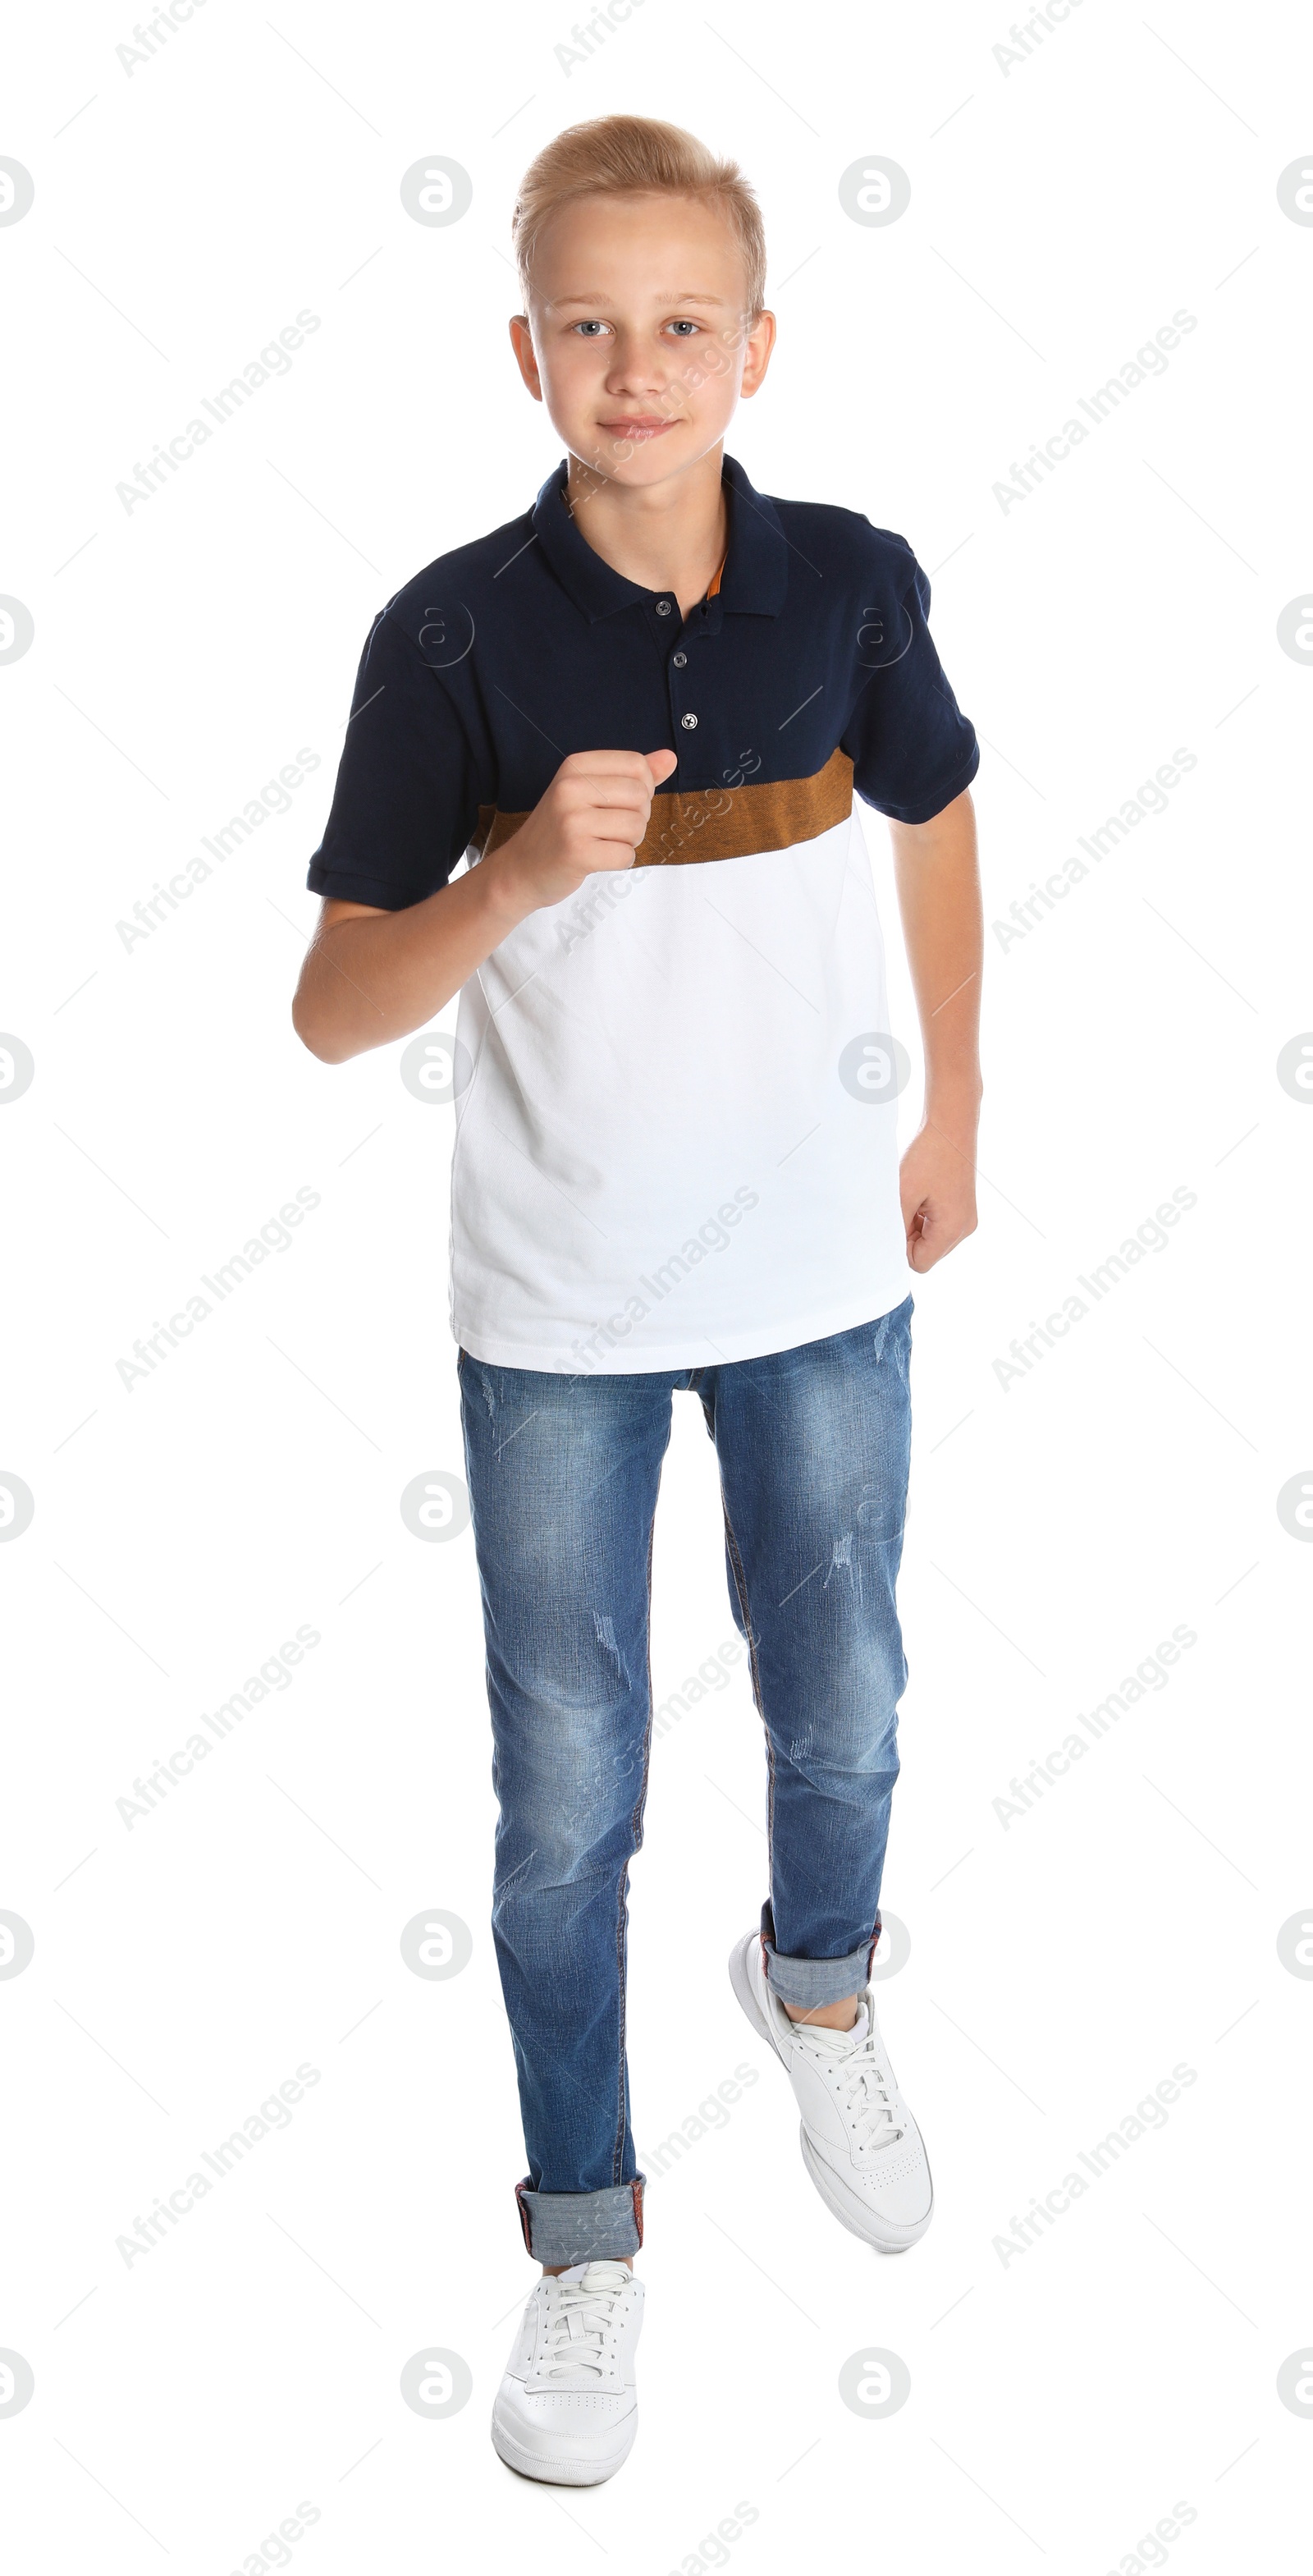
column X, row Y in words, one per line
column 592, row 816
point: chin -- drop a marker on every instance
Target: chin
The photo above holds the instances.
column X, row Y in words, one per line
column 648, row 464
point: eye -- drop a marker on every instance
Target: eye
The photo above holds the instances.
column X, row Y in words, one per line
column 686, row 326
column 588, row 328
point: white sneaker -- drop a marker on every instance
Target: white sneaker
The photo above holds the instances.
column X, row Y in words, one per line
column 567, row 2409
column 860, row 2143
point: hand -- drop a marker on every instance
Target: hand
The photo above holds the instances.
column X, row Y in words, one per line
column 937, row 1184
column 592, row 816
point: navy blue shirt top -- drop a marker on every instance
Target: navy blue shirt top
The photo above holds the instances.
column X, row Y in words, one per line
column 497, row 660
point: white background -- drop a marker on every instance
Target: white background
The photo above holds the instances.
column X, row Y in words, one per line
column 1062, row 209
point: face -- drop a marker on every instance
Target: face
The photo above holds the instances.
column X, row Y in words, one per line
column 636, row 339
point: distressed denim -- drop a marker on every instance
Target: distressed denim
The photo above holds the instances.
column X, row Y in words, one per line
column 813, row 1447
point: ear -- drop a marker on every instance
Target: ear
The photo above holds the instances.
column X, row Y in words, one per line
column 522, row 343
column 756, row 353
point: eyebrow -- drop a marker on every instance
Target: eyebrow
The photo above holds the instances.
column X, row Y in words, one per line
column 689, row 295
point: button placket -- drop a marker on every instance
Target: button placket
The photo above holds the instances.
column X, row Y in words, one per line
column 683, row 717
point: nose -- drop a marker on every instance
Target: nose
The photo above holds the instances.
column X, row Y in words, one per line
column 638, row 365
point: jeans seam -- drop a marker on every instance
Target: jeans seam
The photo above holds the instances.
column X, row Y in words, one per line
column 741, row 1587
column 635, row 1832
column 617, row 2152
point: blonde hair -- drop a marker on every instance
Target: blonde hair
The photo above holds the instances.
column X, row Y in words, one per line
column 636, row 155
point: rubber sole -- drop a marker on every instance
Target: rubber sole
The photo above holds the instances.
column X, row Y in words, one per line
column 561, row 2473
column 839, row 2204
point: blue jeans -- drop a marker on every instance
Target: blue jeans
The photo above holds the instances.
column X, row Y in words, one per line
column 563, row 1471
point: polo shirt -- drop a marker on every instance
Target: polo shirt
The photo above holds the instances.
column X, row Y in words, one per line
column 676, row 1109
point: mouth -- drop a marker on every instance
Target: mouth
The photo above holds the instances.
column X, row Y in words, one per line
column 645, row 426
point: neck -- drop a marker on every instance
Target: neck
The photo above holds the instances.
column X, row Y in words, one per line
column 664, row 536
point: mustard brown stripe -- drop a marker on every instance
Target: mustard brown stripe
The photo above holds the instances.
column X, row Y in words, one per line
column 720, row 822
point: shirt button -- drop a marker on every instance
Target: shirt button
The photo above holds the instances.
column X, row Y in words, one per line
column 688, row 723
column 663, row 608
column 679, row 660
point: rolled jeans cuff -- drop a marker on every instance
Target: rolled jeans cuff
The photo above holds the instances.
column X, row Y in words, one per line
column 816, row 1981
column 582, row 2226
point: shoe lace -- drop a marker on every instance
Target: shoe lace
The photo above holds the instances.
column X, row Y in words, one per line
column 868, row 2097
column 579, row 2320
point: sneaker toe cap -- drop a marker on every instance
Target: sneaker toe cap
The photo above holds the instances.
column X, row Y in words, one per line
column 892, row 2183
column 898, row 2183
column 559, row 2422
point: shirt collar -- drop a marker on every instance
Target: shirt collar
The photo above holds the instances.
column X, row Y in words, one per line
column 754, row 580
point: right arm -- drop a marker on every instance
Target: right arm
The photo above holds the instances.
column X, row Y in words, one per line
column 371, row 976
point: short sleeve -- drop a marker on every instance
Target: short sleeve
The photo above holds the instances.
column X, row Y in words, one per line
column 911, row 747
column 405, row 805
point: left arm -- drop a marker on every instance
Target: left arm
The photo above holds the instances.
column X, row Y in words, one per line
column 938, row 884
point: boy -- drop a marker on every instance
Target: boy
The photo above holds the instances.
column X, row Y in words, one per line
column 641, row 711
